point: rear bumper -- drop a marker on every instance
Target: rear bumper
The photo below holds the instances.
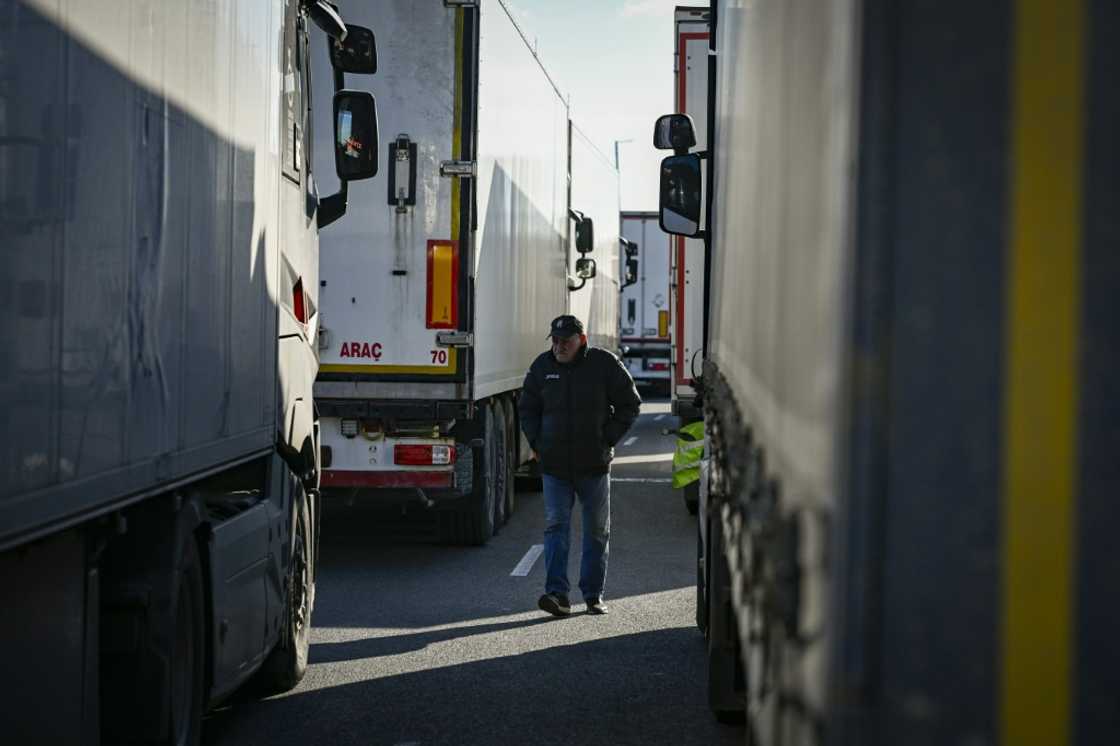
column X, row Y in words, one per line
column 388, row 479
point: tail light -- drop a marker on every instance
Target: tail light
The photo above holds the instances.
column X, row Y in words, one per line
column 658, row 366
column 423, row 455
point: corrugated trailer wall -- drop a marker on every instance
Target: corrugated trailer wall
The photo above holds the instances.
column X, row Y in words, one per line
column 915, row 313
column 595, row 194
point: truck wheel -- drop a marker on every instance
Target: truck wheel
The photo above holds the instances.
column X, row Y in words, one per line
column 499, row 465
column 287, row 663
column 512, row 435
column 691, row 494
column 701, row 584
column 726, row 693
column 470, row 520
column 188, row 650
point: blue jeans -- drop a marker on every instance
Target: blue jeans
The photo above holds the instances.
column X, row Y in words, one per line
column 594, row 494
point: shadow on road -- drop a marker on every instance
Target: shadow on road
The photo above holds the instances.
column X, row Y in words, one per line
column 377, row 647
column 629, row 689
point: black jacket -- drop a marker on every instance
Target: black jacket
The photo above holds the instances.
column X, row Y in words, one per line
column 573, row 414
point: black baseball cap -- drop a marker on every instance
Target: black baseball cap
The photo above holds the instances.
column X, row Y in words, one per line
column 565, row 326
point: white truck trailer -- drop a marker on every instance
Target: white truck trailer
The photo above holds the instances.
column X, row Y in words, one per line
column 910, row 390
column 158, row 507
column 644, row 316
column 439, row 285
column 595, row 195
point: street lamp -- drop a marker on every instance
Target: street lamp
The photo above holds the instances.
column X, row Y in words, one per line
column 616, row 142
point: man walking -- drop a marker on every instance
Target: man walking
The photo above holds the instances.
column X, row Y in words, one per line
column 576, row 403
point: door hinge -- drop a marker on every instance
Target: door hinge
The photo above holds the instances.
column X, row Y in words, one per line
column 455, row 339
column 462, row 169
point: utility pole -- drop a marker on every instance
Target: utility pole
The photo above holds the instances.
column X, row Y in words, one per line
column 616, row 142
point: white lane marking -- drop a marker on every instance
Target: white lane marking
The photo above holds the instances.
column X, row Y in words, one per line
column 647, row 458
column 526, row 563
column 658, row 417
column 641, row 479
column 630, row 441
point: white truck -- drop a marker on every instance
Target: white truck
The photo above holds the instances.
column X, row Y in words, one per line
column 439, row 285
column 158, row 229
column 644, row 316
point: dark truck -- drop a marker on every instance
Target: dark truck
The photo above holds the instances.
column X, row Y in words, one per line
column 159, row 506
column 910, row 391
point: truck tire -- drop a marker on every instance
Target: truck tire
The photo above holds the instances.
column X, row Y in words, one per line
column 691, row 494
column 286, row 665
column 726, row 693
column 153, row 677
column 702, row 565
column 512, row 435
column 188, row 650
column 470, row 519
column 500, row 463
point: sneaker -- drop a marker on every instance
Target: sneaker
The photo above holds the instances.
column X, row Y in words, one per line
column 595, row 605
column 555, row 604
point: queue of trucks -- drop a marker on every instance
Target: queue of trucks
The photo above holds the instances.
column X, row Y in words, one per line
column 228, row 303
column 907, row 498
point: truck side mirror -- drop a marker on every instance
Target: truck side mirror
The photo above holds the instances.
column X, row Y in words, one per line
column 355, row 135
column 326, row 17
column 357, row 53
column 631, row 270
column 630, row 247
column 680, row 195
column 674, row 132
column 585, row 268
column 585, row 235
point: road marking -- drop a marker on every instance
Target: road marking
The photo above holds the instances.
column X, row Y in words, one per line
column 630, row 441
column 641, row 479
column 527, row 562
column 645, row 458
column 658, row 417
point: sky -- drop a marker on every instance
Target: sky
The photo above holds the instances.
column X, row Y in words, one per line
column 614, row 59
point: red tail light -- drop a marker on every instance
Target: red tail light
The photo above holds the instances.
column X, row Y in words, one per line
column 299, row 306
column 423, row 455
column 659, row 366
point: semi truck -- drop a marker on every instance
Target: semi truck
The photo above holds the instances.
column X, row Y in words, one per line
column 908, row 496
column 644, row 305
column 159, row 509
column 688, row 255
column 439, row 285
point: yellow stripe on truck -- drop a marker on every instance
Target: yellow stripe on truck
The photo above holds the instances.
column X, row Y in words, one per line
column 395, row 369
column 1044, row 284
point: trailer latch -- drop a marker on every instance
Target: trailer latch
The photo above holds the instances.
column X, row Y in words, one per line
column 462, row 169
column 455, row 339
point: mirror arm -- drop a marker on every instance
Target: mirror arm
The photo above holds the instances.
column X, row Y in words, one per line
column 333, row 207
column 572, row 287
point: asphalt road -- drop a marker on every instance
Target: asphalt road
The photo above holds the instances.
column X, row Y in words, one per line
column 416, row 643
